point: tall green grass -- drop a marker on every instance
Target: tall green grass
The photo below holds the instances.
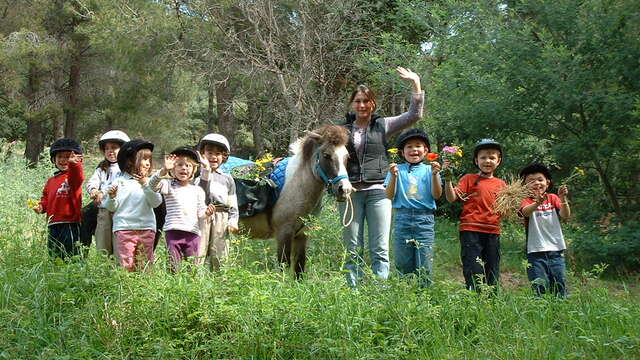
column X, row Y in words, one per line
column 253, row 309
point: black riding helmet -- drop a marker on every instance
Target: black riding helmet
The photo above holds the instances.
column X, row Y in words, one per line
column 486, row 144
column 64, row 144
column 129, row 150
column 535, row 168
column 187, row 151
column 408, row 134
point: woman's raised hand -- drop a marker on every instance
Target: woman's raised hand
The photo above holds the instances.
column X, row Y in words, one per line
column 410, row 76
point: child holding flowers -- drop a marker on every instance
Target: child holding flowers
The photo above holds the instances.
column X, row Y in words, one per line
column 413, row 187
column 62, row 198
column 545, row 243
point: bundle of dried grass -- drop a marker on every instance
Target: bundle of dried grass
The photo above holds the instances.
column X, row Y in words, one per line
column 508, row 199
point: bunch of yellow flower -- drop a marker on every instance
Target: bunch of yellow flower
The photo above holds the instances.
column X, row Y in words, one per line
column 32, row 204
column 394, row 157
column 255, row 171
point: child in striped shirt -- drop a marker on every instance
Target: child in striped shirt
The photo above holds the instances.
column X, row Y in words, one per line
column 185, row 203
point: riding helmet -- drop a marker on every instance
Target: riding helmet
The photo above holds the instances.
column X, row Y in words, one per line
column 486, row 144
column 130, row 149
column 216, row 140
column 64, row 144
column 115, row 136
column 412, row 134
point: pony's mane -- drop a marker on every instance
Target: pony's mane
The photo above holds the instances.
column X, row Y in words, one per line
column 334, row 135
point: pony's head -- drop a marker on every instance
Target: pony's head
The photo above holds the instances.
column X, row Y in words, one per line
column 326, row 149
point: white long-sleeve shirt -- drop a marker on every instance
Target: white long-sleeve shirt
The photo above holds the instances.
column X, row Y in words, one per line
column 133, row 205
column 185, row 204
column 101, row 180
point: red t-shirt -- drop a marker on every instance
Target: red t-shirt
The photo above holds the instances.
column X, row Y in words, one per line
column 477, row 212
column 62, row 195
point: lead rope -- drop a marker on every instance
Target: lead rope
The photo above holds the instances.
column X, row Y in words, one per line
column 349, row 204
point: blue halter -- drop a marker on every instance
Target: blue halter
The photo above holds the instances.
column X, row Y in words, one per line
column 323, row 175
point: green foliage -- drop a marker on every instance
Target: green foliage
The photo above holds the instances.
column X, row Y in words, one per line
column 555, row 75
column 612, row 244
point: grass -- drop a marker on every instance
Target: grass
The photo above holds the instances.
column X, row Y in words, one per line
column 253, row 309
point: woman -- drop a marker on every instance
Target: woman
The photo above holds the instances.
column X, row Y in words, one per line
column 367, row 168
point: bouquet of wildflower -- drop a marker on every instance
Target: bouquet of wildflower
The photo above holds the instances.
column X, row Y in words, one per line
column 394, row 155
column 32, row 204
column 575, row 174
column 452, row 154
column 255, row 172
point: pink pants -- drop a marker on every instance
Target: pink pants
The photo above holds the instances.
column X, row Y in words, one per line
column 135, row 248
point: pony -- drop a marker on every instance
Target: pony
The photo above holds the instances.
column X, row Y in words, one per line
column 318, row 163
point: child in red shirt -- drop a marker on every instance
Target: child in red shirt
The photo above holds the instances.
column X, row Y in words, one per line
column 62, row 198
column 479, row 224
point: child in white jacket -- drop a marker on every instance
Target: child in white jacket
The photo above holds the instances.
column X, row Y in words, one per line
column 132, row 201
column 98, row 184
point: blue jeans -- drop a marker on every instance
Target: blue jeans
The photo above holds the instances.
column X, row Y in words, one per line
column 546, row 270
column 373, row 206
column 413, row 238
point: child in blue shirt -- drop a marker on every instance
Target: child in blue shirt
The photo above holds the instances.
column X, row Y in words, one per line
column 413, row 188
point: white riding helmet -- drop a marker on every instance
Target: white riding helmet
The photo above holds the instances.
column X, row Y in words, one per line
column 115, row 136
column 215, row 139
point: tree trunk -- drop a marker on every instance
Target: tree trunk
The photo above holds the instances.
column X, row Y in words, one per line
column 611, row 193
column 211, row 99
column 224, row 105
column 256, row 128
column 35, row 131
column 71, row 110
column 58, row 118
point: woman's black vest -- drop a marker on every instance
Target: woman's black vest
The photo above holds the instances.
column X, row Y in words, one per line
column 372, row 168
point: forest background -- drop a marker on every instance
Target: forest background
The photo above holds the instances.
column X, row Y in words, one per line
column 554, row 81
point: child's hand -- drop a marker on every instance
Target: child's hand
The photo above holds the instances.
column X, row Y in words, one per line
column 38, row 209
column 232, row 229
column 140, row 178
column 204, row 163
column 113, row 191
column 563, row 191
column 393, row 169
column 169, row 162
column 210, row 210
column 539, row 197
column 97, row 196
column 435, row 167
column 75, row 158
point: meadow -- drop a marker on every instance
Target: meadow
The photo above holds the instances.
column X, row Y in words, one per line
column 253, row 309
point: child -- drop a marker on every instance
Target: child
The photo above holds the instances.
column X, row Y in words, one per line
column 62, row 198
column 479, row 224
column 221, row 192
column 132, row 201
column 545, row 243
column 98, row 184
column 184, row 202
column 413, row 188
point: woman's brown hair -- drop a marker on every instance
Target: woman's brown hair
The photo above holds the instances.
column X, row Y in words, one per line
column 367, row 92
